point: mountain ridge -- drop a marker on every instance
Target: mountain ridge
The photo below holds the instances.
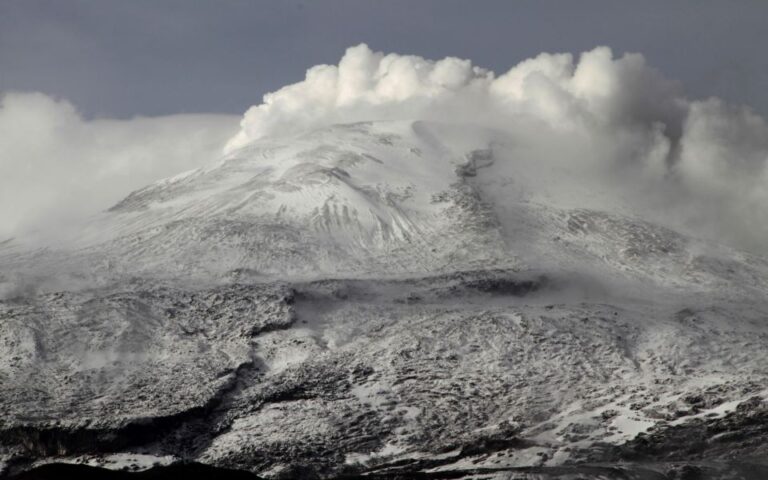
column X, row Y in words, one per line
column 365, row 296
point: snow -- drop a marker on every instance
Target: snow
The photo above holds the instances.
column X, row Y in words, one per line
column 441, row 287
column 117, row 461
column 389, row 450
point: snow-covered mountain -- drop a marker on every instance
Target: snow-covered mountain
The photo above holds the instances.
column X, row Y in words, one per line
column 385, row 297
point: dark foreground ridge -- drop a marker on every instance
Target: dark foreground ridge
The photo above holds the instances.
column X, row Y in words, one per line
column 193, row 471
column 187, row 471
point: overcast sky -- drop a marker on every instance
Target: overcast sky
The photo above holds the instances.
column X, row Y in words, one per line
column 118, row 58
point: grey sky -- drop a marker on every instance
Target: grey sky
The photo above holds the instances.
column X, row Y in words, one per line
column 120, row 58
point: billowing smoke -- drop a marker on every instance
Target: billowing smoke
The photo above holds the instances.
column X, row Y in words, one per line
column 598, row 90
column 698, row 164
column 56, row 168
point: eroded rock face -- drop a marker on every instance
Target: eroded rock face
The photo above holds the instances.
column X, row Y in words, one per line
column 114, row 368
column 742, row 433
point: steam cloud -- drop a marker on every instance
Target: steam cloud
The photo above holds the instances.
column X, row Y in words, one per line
column 609, row 123
column 56, row 168
column 700, row 163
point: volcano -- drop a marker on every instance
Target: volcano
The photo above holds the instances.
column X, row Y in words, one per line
column 396, row 299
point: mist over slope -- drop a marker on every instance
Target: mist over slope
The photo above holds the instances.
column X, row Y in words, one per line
column 58, row 168
column 702, row 161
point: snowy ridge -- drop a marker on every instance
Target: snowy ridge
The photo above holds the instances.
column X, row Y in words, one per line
column 348, row 199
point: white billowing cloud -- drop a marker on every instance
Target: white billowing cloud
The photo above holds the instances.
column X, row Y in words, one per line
column 56, row 168
column 365, row 86
column 700, row 164
column 369, row 85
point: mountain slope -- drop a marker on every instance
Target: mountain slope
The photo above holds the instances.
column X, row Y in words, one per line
column 349, row 199
column 376, row 297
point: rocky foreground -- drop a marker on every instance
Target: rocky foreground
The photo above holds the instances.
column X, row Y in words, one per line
column 471, row 372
